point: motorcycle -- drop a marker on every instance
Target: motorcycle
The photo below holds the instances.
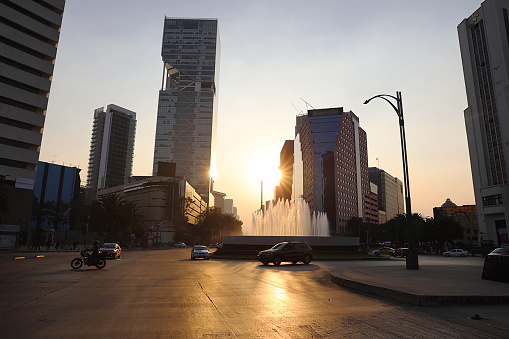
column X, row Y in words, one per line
column 99, row 261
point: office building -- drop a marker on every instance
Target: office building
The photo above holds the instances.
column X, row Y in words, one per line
column 29, row 33
column 165, row 203
column 284, row 190
column 55, row 188
column 187, row 109
column 390, row 194
column 466, row 216
column 484, row 45
column 331, row 165
column 111, row 150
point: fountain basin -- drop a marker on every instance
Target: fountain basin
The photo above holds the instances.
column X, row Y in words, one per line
column 319, row 244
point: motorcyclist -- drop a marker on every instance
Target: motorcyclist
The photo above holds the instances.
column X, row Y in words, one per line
column 95, row 251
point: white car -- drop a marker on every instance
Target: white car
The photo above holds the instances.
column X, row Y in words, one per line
column 457, row 252
column 200, row 251
column 181, row 245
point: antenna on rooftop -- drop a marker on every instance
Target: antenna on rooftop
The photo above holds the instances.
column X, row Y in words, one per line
column 300, row 112
column 307, row 104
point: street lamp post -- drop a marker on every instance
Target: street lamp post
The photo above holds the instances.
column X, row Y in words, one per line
column 412, row 261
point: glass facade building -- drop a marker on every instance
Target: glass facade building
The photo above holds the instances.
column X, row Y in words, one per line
column 331, row 165
column 187, row 109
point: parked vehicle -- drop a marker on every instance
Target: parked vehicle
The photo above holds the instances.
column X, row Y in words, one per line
column 401, row 252
column 87, row 259
column 457, row 252
column 200, row 251
column 499, row 252
column 383, row 250
column 287, row 251
column 180, row 244
column 111, row 250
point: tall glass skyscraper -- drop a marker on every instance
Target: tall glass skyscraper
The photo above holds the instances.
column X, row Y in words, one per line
column 187, row 110
column 484, row 43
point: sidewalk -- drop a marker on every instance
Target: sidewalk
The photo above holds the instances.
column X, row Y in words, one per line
column 438, row 281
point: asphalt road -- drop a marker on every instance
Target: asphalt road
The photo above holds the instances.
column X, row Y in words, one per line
column 164, row 294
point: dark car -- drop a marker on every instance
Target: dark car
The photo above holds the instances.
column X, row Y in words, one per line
column 501, row 253
column 287, row 251
column 401, row 252
column 111, row 250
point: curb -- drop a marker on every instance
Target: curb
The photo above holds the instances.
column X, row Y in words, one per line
column 418, row 299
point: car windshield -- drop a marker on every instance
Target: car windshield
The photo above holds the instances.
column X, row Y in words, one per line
column 501, row 250
column 200, row 248
column 109, row 245
column 280, row 245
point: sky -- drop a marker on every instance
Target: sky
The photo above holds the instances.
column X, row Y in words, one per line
column 277, row 57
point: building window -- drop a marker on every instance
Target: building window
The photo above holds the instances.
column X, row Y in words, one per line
column 492, row 200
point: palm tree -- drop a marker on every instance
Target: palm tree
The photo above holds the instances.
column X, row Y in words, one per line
column 112, row 208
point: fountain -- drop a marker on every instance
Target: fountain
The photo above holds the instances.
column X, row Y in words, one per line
column 288, row 218
column 289, row 221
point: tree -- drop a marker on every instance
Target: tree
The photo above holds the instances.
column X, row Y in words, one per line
column 55, row 212
column 395, row 230
column 213, row 224
column 114, row 217
column 440, row 231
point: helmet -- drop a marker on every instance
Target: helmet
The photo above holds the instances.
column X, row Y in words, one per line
column 96, row 242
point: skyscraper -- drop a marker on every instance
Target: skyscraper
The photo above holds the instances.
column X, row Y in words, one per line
column 484, row 44
column 334, row 165
column 29, row 32
column 187, row 110
column 390, row 194
column 111, row 150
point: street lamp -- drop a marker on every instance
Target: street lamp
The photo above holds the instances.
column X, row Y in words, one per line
column 412, row 262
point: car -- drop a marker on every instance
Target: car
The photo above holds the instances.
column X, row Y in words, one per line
column 457, row 252
column 287, row 251
column 180, row 244
column 200, row 251
column 499, row 252
column 383, row 250
column 111, row 250
column 401, row 252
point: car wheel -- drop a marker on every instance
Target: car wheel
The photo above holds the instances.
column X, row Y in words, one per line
column 447, row 255
column 276, row 261
column 462, row 255
column 306, row 260
column 207, row 258
column 265, row 262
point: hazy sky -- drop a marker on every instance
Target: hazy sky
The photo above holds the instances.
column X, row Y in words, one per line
column 335, row 53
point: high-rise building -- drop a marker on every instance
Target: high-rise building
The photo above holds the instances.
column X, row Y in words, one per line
column 390, row 194
column 484, row 44
column 187, row 110
column 284, row 190
column 111, row 150
column 29, row 34
column 331, row 165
